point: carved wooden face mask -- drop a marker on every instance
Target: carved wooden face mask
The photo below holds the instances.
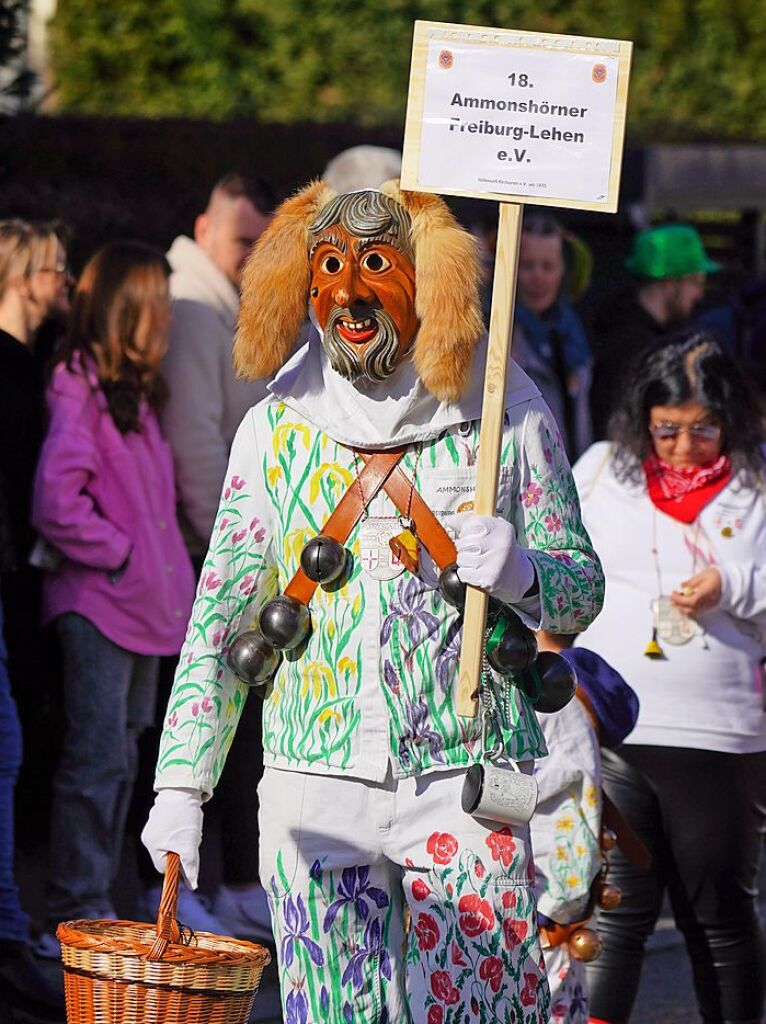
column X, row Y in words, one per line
column 363, row 284
column 390, row 274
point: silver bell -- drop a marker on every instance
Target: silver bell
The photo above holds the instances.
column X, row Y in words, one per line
column 251, row 659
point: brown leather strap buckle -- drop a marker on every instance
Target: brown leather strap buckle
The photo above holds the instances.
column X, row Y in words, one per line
column 430, row 531
column 373, row 475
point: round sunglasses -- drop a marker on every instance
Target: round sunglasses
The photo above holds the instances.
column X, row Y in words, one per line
column 705, row 432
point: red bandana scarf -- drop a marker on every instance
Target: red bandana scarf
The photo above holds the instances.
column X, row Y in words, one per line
column 682, row 492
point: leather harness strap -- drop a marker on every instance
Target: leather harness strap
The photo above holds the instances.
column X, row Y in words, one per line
column 429, row 530
column 590, row 711
column 380, row 470
column 627, row 839
column 348, row 512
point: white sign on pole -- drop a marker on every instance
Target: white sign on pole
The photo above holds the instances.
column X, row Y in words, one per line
column 519, row 117
column 516, row 116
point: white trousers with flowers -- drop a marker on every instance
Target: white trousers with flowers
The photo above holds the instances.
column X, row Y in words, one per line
column 569, row 987
column 390, row 904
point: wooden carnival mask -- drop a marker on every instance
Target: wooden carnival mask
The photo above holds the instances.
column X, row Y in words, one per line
column 387, row 273
column 363, row 284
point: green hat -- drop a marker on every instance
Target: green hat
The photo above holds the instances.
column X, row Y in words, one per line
column 671, row 250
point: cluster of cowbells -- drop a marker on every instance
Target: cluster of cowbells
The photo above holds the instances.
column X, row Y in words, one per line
column 547, row 679
column 284, row 623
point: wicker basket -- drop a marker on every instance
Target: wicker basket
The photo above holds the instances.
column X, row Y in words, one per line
column 118, row 972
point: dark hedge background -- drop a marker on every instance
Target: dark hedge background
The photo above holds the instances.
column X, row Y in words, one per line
column 110, row 178
column 148, row 179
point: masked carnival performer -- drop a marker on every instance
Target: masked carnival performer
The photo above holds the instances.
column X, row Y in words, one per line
column 328, row 585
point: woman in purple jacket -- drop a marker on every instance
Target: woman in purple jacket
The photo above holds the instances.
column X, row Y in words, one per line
column 120, row 584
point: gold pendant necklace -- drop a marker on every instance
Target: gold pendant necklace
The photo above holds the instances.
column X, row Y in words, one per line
column 669, row 622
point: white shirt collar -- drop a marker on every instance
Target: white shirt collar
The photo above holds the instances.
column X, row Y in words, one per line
column 399, row 411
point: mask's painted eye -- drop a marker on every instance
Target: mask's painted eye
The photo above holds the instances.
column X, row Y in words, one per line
column 375, row 262
column 331, row 265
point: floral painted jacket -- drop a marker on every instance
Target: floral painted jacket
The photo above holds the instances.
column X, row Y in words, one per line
column 566, row 824
column 373, row 687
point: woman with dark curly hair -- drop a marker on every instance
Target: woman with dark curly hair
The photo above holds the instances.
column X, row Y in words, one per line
column 676, row 508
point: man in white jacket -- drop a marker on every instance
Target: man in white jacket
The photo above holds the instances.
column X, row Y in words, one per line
column 207, row 402
column 204, row 409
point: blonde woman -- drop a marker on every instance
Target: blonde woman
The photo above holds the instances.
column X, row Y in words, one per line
column 32, row 276
column 33, row 280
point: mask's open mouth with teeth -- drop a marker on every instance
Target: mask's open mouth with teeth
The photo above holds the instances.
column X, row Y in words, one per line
column 357, row 331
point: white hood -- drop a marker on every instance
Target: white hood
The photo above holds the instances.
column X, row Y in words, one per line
column 398, row 411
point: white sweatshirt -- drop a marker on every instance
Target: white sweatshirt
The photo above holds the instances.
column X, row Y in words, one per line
column 206, row 402
column 708, row 693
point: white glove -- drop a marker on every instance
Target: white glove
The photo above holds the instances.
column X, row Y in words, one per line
column 175, row 824
column 489, row 557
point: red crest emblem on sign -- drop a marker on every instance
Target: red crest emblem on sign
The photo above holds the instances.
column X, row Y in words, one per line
column 446, row 60
column 599, row 73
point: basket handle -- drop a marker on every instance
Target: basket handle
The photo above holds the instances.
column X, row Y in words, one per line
column 167, row 926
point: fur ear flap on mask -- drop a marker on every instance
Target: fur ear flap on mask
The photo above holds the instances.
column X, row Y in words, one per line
column 275, row 286
column 447, row 300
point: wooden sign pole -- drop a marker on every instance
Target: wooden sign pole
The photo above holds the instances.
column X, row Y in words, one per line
column 479, row 125
column 490, row 440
